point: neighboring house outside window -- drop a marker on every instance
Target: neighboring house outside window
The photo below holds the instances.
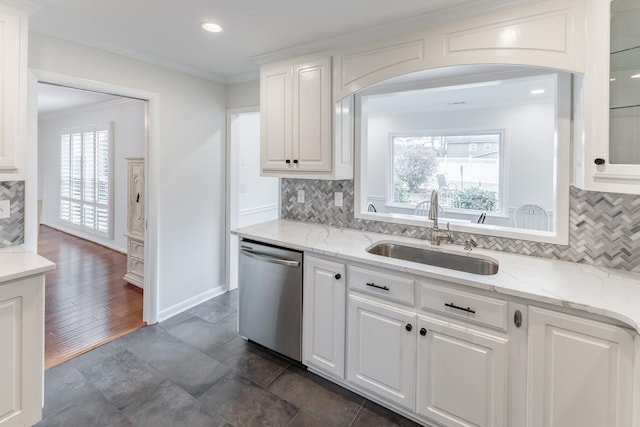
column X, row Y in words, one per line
column 466, row 178
column 86, row 176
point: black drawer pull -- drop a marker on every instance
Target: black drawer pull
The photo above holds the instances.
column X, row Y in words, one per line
column 373, row 285
column 338, row 276
column 468, row 309
column 423, row 331
column 408, row 327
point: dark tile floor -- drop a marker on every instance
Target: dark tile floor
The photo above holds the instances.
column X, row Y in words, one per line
column 194, row 370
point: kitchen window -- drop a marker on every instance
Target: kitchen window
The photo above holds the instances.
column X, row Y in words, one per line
column 86, row 178
column 496, row 147
column 466, row 179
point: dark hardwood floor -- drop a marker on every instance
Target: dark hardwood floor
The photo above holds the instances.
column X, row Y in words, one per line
column 87, row 303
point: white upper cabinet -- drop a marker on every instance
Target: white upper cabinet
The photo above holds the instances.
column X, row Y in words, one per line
column 297, row 122
column 13, row 92
column 607, row 154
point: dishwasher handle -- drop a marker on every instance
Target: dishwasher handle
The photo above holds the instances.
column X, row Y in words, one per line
column 266, row 258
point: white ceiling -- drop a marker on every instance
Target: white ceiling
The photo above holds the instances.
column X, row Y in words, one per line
column 168, row 33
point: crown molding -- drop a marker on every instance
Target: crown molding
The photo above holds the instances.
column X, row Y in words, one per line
column 29, row 6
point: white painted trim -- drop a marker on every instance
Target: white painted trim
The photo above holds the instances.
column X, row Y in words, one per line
column 191, row 302
column 232, row 191
column 257, row 210
column 151, row 297
column 31, row 228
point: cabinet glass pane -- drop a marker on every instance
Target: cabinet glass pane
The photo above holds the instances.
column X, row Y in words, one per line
column 624, row 124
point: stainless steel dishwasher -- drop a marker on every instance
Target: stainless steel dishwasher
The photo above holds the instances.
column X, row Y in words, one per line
column 270, row 288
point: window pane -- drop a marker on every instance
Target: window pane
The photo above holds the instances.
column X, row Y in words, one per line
column 465, row 169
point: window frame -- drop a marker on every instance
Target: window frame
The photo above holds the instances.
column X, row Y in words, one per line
column 83, row 129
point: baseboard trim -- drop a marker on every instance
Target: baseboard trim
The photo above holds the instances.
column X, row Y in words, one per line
column 191, row 302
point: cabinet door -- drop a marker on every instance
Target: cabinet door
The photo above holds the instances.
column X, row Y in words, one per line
column 21, row 351
column 13, row 29
column 312, row 115
column 324, row 315
column 462, row 375
column 275, row 117
column 382, row 350
column 580, row 372
column 136, row 198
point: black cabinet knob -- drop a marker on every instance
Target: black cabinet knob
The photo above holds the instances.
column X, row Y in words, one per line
column 599, row 161
column 408, row 327
column 295, row 161
column 517, row 318
column 287, row 161
column 423, row 331
column 338, row 276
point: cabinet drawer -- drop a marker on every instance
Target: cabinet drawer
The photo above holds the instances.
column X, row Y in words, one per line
column 136, row 266
column 136, row 249
column 387, row 286
column 476, row 308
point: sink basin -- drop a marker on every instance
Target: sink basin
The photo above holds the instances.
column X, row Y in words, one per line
column 467, row 263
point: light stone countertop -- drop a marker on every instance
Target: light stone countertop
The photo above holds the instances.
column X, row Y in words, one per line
column 607, row 292
column 16, row 262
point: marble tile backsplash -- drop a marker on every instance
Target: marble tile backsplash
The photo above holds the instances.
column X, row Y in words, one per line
column 604, row 228
column 12, row 228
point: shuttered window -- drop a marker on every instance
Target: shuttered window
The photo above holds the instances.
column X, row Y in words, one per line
column 86, row 178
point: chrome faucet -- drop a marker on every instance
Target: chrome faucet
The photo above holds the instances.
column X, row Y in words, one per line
column 437, row 235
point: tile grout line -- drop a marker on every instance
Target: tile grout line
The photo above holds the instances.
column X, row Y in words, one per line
column 355, row 417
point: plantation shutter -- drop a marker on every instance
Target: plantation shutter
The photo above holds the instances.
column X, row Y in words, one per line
column 86, row 177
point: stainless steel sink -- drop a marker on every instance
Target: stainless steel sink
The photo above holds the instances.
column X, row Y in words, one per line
column 467, row 263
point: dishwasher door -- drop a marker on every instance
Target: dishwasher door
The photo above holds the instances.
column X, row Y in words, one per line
column 270, row 297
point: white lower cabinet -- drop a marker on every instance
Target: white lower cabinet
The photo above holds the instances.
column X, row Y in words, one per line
column 21, row 351
column 462, row 375
column 581, row 372
column 447, row 355
column 382, row 350
column 324, row 315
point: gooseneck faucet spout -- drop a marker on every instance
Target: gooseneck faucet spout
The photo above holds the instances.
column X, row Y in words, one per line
column 437, row 235
column 433, row 209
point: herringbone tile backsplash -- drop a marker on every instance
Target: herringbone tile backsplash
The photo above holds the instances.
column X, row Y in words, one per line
column 604, row 228
column 12, row 229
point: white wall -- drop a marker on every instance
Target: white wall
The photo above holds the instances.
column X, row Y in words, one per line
column 241, row 95
column 190, row 164
column 129, row 140
column 528, row 146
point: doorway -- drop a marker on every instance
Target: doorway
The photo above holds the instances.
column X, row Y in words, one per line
column 84, row 139
column 251, row 198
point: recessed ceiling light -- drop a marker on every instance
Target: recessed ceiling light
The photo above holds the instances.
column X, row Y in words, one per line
column 211, row 27
column 537, row 91
column 636, row 76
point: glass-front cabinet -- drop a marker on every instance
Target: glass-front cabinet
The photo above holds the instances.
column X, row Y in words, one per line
column 624, row 83
column 609, row 160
